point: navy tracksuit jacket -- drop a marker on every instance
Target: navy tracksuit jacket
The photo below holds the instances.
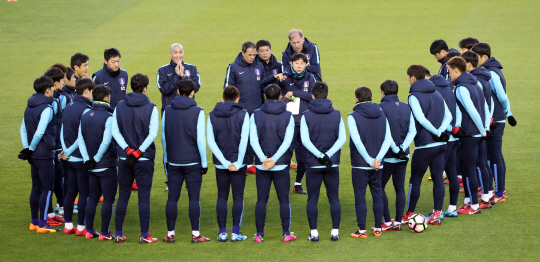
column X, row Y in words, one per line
column 116, row 81
column 270, row 69
column 311, row 51
column 247, row 78
column 167, row 81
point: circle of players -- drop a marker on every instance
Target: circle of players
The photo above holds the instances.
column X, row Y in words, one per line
column 101, row 140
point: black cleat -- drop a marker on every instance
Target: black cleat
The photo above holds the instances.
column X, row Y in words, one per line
column 298, row 189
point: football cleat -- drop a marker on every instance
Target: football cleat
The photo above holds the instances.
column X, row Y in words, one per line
column 89, row 235
column 384, row 227
column 134, row 186
column 446, row 182
column 397, row 226
column 484, row 204
column 334, row 238
column 258, row 239
column 377, row 233
column 101, row 199
column 76, row 201
column 293, row 166
column 359, row 235
column 289, row 237
column 498, row 199
column 58, row 218
column 450, row 214
column 33, row 227
column 251, row 170
column 469, row 211
column 119, row 239
column 312, row 238
column 222, row 237
column 463, row 206
column 434, row 220
column 460, row 180
column 505, row 195
column 147, row 240
column 239, row 237
column 298, row 189
column 462, row 191
column 47, row 229
column 169, row 239
column 405, row 218
column 80, row 232
column 461, row 185
column 109, row 236
column 70, row 231
column 199, row 239
column 52, row 222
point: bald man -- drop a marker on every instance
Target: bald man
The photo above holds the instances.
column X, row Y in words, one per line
column 299, row 44
column 169, row 75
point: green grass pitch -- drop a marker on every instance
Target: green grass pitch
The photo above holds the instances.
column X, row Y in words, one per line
column 361, row 43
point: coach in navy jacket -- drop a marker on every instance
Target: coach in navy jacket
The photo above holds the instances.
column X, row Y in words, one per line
column 299, row 44
column 267, row 59
column 246, row 75
column 168, row 77
column 112, row 76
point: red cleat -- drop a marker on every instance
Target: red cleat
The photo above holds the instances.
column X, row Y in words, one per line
column 58, row 218
column 463, row 206
column 105, row 237
column 462, row 191
column 89, row 235
column 251, row 170
column 405, row 218
column 147, row 240
column 461, row 184
column 52, row 222
column 294, row 166
column 447, row 182
column 484, row 204
column 134, row 186
column 70, row 231
column 80, row 232
column 460, row 180
column 469, row 211
column 384, row 227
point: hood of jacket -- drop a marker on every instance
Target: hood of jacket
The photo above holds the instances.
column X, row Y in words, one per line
column 423, row 86
column 466, row 78
column 183, row 102
column 226, row 109
column 242, row 62
column 390, row 98
column 492, row 62
column 274, row 107
column 136, row 99
column 320, row 106
column 482, row 73
column 38, row 99
column 439, row 81
column 368, row 110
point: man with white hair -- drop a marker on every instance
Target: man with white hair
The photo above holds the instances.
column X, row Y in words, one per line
column 299, row 44
column 169, row 75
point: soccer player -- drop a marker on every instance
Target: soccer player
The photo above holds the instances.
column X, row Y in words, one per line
column 69, row 93
column 446, row 89
column 501, row 112
column 168, row 77
column 134, row 128
column 77, row 176
column 483, row 76
column 184, row 147
column 323, row 134
column 228, row 133
column 370, row 140
column 299, row 44
column 112, row 76
column 402, row 128
column 296, row 86
column 471, row 104
column 99, row 154
column 271, row 134
column 267, row 59
column 57, row 75
column 37, row 135
column 79, row 64
column 432, row 117
column 439, row 49
column 466, row 44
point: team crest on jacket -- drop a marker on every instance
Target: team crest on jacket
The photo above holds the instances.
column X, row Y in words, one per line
column 307, row 60
column 397, row 103
column 187, row 73
column 258, row 73
column 274, row 72
column 306, row 85
column 122, row 84
column 307, row 56
column 92, row 114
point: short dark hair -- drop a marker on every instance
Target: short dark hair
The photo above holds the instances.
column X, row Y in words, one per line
column 299, row 56
column 457, row 62
column 55, row 74
column 482, row 49
column 185, row 86
column 230, row 93
column 263, row 42
column 418, row 71
column 42, row 83
column 61, row 66
column 437, row 46
column 471, row 57
column 78, row 59
column 363, row 94
column 69, row 73
column 389, row 87
column 272, row 91
column 248, row 45
column 468, row 43
column 83, row 84
column 320, row 90
column 110, row 53
column 101, row 92
column 450, row 55
column 139, row 82
column 428, row 74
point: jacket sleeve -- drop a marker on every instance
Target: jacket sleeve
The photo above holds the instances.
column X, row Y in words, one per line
column 107, row 138
column 196, row 78
column 420, row 117
column 244, row 137
column 306, row 140
column 410, row 134
column 355, row 138
column 213, row 145
column 315, row 60
column 386, row 143
column 289, row 133
column 230, row 77
column 464, row 97
column 500, row 93
column 167, row 84
column 254, row 139
column 45, row 119
column 268, row 81
column 153, row 130
column 24, row 135
column 116, row 133
column 201, row 139
column 82, row 146
column 163, row 138
column 342, row 138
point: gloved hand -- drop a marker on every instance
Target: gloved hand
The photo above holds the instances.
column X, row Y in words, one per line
column 458, row 132
column 25, row 154
column 325, row 161
column 512, row 121
column 90, row 164
column 401, row 154
column 488, row 136
column 442, row 138
column 204, row 170
column 493, row 124
column 133, row 157
column 129, row 150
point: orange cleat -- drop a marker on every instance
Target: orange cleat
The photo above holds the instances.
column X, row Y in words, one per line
column 101, row 199
column 169, row 239
column 76, row 201
column 357, row 234
column 198, row 239
column 47, row 229
column 484, row 204
column 377, row 233
column 33, row 227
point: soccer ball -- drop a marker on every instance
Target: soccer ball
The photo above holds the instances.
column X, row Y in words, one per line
column 417, row 223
